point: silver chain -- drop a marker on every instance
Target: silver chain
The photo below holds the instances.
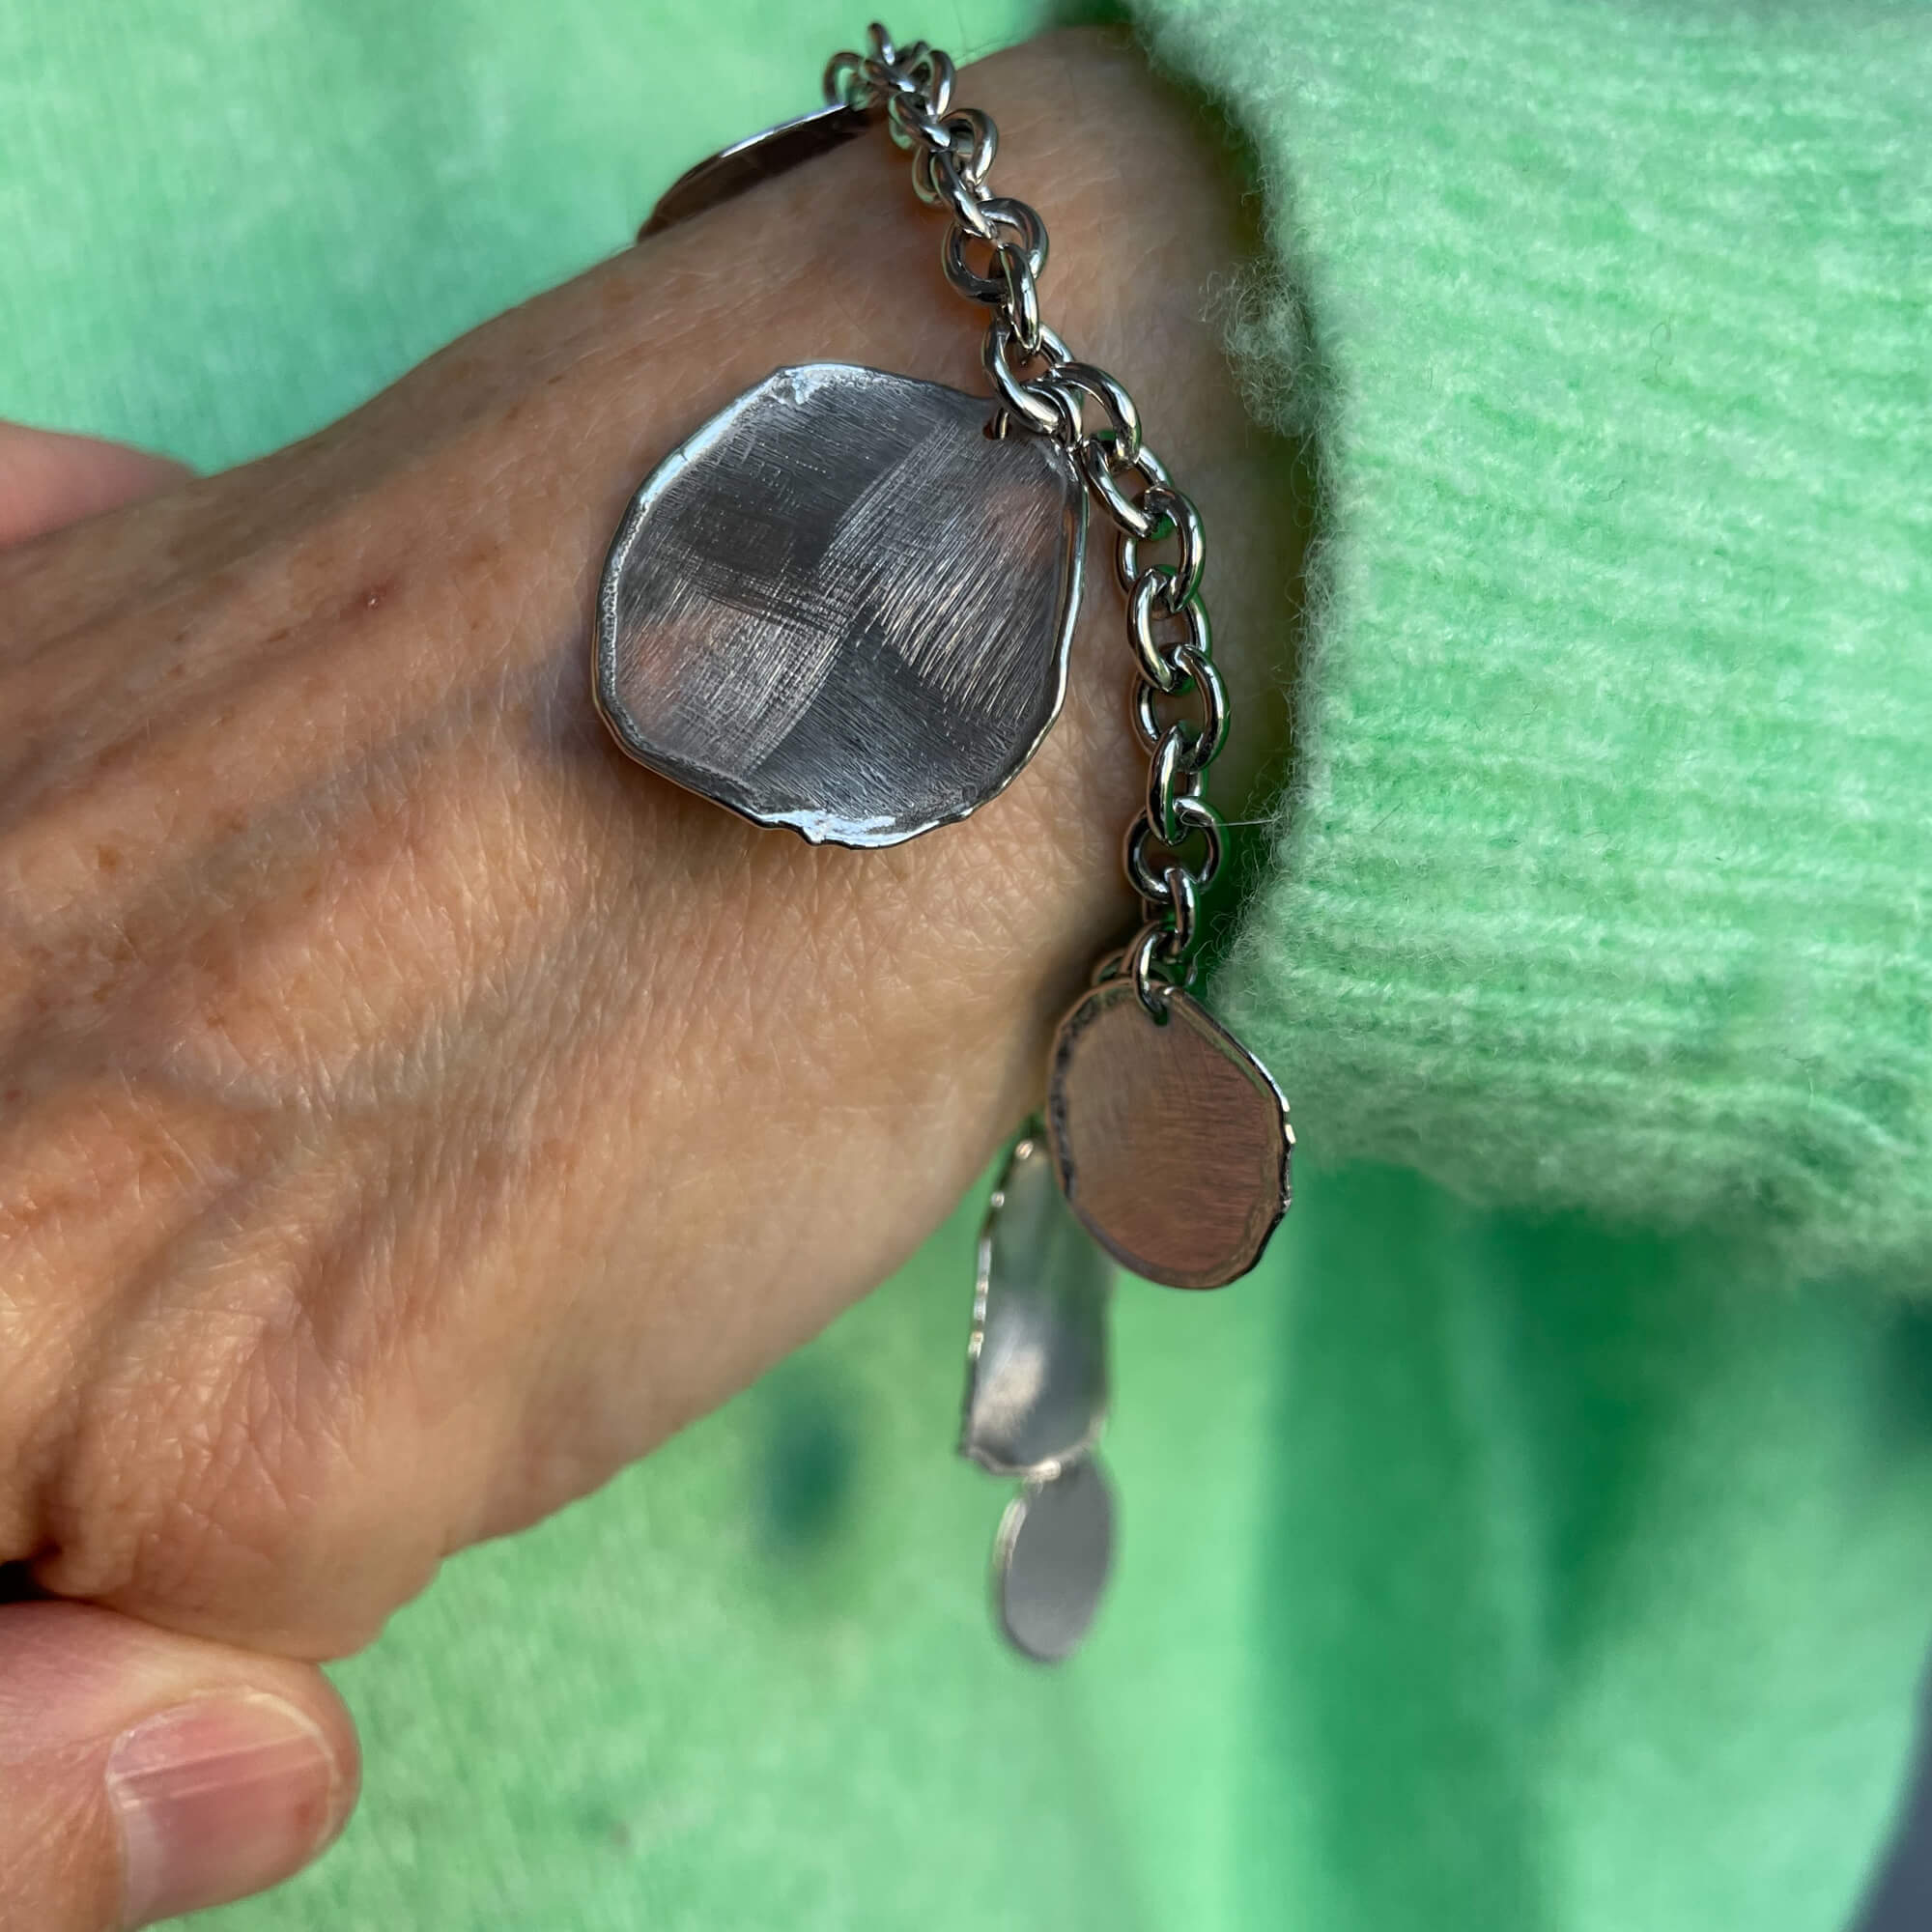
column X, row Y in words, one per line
column 1044, row 388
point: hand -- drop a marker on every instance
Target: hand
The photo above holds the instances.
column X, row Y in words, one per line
column 412, row 1110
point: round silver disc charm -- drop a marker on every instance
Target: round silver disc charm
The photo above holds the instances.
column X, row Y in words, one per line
column 842, row 606
column 1051, row 1560
column 1171, row 1141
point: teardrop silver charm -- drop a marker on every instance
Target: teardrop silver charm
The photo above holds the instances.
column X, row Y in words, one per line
column 1171, row 1142
column 1037, row 1364
column 1051, row 1561
column 842, row 606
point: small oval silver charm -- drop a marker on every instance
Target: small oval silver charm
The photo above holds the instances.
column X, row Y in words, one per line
column 842, row 606
column 1171, row 1141
column 1051, row 1561
column 1037, row 1364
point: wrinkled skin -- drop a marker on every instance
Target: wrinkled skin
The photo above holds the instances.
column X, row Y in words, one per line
column 409, row 1110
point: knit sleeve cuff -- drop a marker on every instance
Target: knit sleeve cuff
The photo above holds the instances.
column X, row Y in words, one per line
column 1601, row 883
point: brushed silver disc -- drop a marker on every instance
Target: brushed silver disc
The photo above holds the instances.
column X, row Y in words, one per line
column 731, row 171
column 1036, row 1365
column 1051, row 1561
column 1171, row 1142
column 842, row 606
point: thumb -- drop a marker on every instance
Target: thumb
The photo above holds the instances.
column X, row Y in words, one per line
column 144, row 1774
column 48, row 479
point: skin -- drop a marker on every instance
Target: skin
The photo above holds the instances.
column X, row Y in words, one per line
column 412, row 1111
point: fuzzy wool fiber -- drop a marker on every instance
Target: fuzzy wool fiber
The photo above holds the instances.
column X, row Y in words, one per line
column 1602, row 883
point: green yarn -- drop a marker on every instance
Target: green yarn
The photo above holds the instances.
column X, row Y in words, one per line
column 1603, row 882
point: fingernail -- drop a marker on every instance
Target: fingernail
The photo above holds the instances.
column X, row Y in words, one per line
column 217, row 1799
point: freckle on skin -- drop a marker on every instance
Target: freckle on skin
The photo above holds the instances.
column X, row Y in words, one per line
column 107, row 859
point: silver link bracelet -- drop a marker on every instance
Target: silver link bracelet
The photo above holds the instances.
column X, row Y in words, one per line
column 1048, row 390
column 845, row 606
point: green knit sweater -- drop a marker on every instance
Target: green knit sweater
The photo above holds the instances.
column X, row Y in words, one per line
column 1604, row 885
column 1531, row 1546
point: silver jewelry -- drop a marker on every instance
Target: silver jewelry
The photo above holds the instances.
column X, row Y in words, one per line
column 844, row 605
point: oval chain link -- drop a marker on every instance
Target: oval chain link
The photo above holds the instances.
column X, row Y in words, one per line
column 1044, row 388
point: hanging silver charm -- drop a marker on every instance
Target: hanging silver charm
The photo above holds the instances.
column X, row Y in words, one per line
column 1035, row 1404
column 731, row 171
column 1036, row 1363
column 1168, row 1136
column 842, row 606
column 845, row 606
column 1051, row 1561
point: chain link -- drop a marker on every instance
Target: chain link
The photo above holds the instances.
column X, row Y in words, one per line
column 994, row 253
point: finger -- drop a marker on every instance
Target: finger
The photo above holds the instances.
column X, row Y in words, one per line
column 143, row 1775
column 48, row 480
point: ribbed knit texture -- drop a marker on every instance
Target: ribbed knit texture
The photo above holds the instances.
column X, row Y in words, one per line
column 1604, row 884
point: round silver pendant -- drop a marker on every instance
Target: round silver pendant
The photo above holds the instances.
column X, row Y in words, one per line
column 1051, row 1561
column 842, row 606
column 1171, row 1142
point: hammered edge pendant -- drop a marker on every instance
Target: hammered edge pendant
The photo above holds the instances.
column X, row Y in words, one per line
column 1169, row 1140
column 842, row 606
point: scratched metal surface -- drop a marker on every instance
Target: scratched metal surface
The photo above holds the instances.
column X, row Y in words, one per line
column 841, row 606
column 1171, row 1142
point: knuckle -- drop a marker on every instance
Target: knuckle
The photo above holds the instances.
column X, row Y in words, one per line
column 186, row 1459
